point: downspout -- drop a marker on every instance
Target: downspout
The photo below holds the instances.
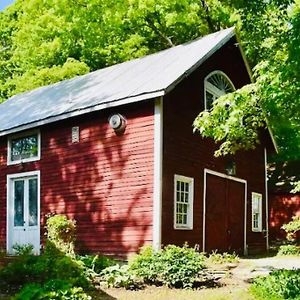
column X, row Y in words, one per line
column 267, row 199
column 157, row 179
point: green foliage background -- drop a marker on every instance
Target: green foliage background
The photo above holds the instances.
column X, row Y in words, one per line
column 42, row 42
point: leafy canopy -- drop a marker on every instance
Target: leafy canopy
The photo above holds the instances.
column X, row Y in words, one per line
column 42, row 42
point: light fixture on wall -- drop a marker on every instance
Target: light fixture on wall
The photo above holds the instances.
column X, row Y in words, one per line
column 117, row 122
column 230, row 168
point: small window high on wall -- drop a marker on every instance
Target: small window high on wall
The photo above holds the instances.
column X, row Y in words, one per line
column 24, row 147
column 183, row 202
column 216, row 84
column 256, row 212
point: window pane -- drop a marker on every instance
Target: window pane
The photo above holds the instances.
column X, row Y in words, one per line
column 179, row 219
column 19, row 203
column 186, row 187
column 182, row 186
column 25, row 147
column 186, row 196
column 33, row 205
column 255, row 205
column 184, row 219
column 209, row 100
column 182, row 197
column 184, row 209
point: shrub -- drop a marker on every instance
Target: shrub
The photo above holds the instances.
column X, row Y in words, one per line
column 289, row 250
column 280, row 284
column 58, row 261
column 292, row 228
column 21, row 250
column 52, row 264
column 96, row 263
column 120, row 276
column 173, row 266
column 61, row 232
column 53, row 289
column 222, row 258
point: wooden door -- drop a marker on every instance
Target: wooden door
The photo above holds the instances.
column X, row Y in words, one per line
column 225, row 213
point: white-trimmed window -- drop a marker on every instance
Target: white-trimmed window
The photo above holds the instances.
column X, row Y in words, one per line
column 183, row 202
column 216, row 84
column 256, row 212
column 24, row 147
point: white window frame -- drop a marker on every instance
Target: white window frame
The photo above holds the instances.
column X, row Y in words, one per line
column 208, row 87
column 19, row 136
column 190, row 209
column 256, row 197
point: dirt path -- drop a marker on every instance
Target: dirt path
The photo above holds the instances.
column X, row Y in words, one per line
column 234, row 282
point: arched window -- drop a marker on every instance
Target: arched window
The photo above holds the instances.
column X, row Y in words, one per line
column 216, row 84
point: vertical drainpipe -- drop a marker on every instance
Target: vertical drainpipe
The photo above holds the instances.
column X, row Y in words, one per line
column 157, row 180
column 267, row 199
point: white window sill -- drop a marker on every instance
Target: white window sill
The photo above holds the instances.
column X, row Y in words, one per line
column 27, row 160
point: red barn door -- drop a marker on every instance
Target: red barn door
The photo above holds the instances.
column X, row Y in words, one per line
column 225, row 214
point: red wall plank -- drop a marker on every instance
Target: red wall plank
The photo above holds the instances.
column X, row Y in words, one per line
column 282, row 207
column 104, row 182
column 188, row 154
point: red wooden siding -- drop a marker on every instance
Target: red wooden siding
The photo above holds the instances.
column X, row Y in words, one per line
column 188, row 154
column 104, row 182
column 282, row 207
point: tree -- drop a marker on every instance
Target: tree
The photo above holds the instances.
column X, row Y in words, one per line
column 42, row 42
column 47, row 41
column 270, row 36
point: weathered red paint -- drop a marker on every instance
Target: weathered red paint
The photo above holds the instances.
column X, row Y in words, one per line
column 188, row 154
column 282, row 207
column 104, row 182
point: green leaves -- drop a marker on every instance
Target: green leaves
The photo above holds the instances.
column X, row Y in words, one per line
column 234, row 121
column 39, row 38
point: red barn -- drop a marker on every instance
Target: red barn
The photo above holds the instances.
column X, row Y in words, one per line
column 283, row 204
column 115, row 150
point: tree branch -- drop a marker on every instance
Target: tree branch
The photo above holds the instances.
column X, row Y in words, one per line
column 166, row 39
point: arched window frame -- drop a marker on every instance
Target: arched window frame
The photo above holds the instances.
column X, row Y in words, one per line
column 212, row 89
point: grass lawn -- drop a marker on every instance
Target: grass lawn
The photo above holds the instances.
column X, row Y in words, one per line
column 163, row 293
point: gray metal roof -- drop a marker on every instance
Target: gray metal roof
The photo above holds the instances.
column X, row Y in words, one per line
column 140, row 79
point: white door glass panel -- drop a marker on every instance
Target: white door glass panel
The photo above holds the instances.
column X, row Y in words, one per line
column 19, row 203
column 32, row 203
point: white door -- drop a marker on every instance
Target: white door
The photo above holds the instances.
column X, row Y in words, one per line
column 23, row 211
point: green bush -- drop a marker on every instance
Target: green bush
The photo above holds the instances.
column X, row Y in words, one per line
column 52, row 264
column 56, row 264
column 96, row 263
column 172, row 266
column 280, row 284
column 120, row 276
column 292, row 228
column 289, row 250
column 21, row 250
column 222, row 258
column 61, row 232
column 53, row 289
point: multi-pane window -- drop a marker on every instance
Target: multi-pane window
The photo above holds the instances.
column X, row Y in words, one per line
column 256, row 212
column 216, row 84
column 183, row 202
column 24, row 148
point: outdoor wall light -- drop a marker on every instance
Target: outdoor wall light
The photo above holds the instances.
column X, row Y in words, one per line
column 117, row 122
column 230, row 168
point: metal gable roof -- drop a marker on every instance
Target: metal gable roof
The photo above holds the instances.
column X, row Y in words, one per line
column 140, row 79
